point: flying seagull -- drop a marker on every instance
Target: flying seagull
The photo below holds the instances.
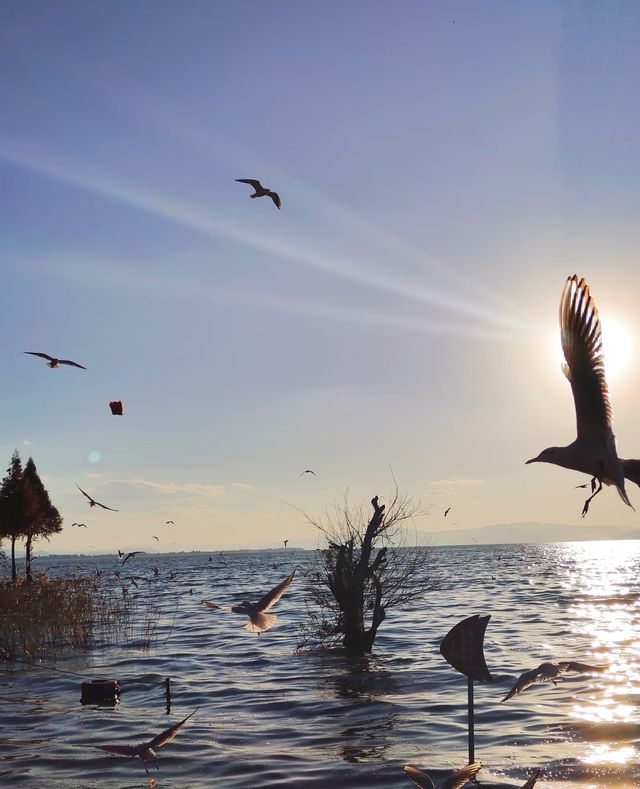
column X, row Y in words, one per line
column 285, row 543
column 155, row 538
column 117, row 407
column 594, row 450
column 260, row 621
column 146, row 750
column 549, row 672
column 307, row 471
column 260, row 190
column 455, row 780
column 446, row 512
column 168, row 522
column 79, row 525
column 93, row 502
column 129, row 555
column 53, row 362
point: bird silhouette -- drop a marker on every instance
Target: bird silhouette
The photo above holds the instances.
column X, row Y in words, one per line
column 456, row 780
column 93, row 502
column 129, row 555
column 594, row 450
column 53, row 362
column 80, row 525
column 260, row 190
column 447, row 511
column 307, row 471
column 286, row 543
column 168, row 522
column 549, row 672
column 260, row 620
column 155, row 538
column 146, row 750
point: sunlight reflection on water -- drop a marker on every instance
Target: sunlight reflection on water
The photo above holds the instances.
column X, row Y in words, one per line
column 606, row 608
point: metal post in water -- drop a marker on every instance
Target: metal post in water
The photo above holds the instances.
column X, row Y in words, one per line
column 470, row 721
column 167, row 693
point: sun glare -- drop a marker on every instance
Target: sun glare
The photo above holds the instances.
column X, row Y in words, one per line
column 616, row 343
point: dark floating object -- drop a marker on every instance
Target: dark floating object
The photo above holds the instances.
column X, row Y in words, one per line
column 463, row 648
column 260, row 190
column 53, row 362
column 100, row 691
column 117, row 408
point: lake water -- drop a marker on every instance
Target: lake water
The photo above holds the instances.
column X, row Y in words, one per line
column 271, row 717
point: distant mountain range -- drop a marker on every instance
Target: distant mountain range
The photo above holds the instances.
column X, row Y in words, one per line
column 532, row 532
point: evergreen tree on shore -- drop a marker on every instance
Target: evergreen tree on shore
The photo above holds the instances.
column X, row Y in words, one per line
column 17, row 506
column 46, row 519
column 26, row 511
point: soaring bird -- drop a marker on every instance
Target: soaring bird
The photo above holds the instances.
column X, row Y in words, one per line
column 155, row 538
column 447, row 511
column 53, row 362
column 549, row 672
column 79, row 525
column 260, row 190
column 286, row 542
column 117, row 407
column 455, row 780
column 93, row 502
column 146, row 750
column 260, row 621
column 129, row 555
column 307, row 471
column 169, row 522
column 594, row 450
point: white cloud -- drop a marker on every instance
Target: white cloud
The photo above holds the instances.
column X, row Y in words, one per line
column 26, row 442
column 455, row 482
column 197, row 489
column 241, row 486
column 453, row 486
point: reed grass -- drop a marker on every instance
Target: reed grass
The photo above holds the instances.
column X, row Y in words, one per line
column 50, row 616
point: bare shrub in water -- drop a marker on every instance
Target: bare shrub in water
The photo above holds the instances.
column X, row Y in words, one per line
column 366, row 569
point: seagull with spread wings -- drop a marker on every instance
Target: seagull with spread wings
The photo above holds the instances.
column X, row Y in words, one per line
column 260, row 190
column 456, row 780
column 53, row 362
column 79, row 525
column 594, row 450
column 147, row 750
column 129, row 555
column 549, row 672
column 260, row 621
column 307, row 471
column 93, row 502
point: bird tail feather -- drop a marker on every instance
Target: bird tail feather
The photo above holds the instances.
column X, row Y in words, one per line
column 260, row 623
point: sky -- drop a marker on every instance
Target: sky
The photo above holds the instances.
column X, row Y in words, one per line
column 443, row 167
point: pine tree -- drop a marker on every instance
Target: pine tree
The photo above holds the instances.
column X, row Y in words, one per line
column 17, row 506
column 46, row 519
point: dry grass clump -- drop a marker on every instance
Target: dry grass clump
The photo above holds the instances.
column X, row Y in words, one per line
column 49, row 616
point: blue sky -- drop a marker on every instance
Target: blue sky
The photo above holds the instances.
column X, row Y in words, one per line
column 442, row 169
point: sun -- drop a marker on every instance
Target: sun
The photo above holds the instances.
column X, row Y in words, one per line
column 617, row 346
